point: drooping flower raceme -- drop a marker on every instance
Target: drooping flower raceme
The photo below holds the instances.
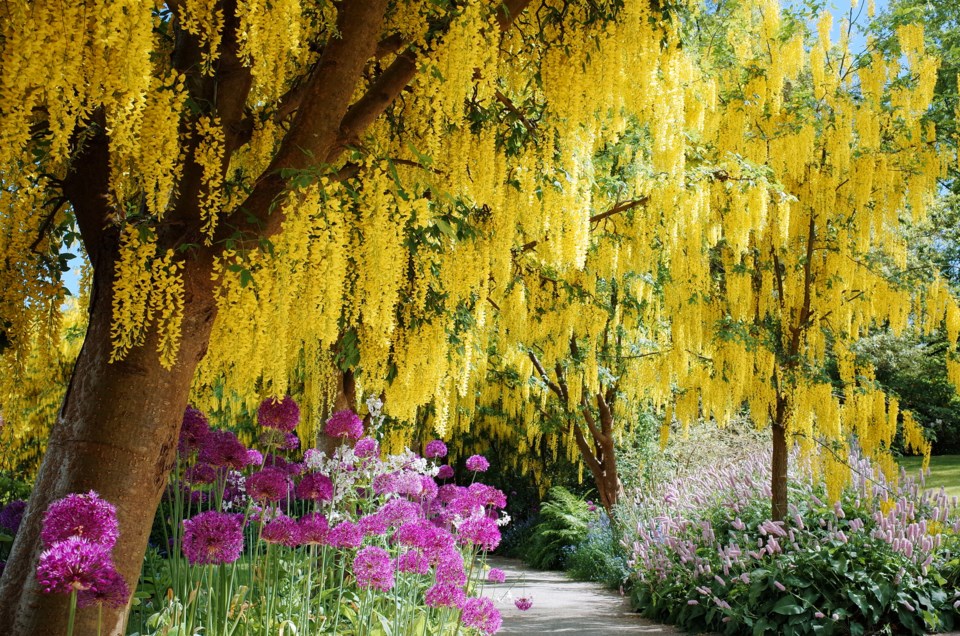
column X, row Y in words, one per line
column 74, row 565
column 86, row 516
column 372, row 568
column 281, row 415
column 344, row 424
column 212, row 538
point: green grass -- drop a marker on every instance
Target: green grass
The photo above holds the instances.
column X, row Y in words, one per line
column 944, row 471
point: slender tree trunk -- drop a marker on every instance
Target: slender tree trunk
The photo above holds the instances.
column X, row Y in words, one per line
column 778, row 464
column 116, row 434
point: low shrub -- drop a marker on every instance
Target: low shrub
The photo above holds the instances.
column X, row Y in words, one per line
column 562, row 524
column 704, row 554
column 599, row 557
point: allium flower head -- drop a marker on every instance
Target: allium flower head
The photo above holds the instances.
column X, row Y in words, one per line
column 283, row 530
column 313, row 528
column 345, row 535
column 445, row 472
column 315, row 487
column 399, row 511
column 477, row 463
column 450, row 568
column 373, row 524
column 435, row 448
column 344, row 424
column 290, row 442
column 194, row 432
column 372, row 568
column 74, row 564
column 282, row 415
column 87, row 516
column 413, row 561
column 112, row 591
column 481, row 532
column 496, row 575
column 269, row 485
column 12, row 514
column 213, row 538
column 442, row 595
column 488, row 495
column 523, row 603
column 366, row 447
column 222, row 448
column 201, row 473
column 481, row 614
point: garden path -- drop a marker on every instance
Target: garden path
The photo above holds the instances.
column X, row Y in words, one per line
column 563, row 606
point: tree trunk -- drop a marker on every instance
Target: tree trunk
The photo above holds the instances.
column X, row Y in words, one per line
column 116, row 433
column 778, row 464
column 601, row 459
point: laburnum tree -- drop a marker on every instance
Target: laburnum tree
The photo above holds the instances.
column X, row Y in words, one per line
column 827, row 156
column 275, row 196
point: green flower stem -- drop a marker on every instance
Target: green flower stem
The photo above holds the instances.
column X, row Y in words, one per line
column 72, row 616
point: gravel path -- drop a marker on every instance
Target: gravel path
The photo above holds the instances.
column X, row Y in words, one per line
column 563, row 606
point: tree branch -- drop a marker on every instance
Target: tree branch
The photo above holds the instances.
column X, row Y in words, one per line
column 543, row 374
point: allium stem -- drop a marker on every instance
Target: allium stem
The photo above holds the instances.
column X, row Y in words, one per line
column 72, row 616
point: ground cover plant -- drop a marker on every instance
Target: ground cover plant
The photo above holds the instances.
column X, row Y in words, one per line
column 267, row 539
column 705, row 555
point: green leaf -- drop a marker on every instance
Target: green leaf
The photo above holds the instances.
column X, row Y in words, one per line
column 787, row 606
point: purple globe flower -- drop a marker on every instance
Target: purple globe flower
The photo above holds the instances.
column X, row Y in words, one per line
column 282, row 415
column 87, row 516
column 12, row 514
column 445, row 472
column 399, row 511
column 481, row 614
column 344, row 424
column 481, row 532
column 201, row 474
column 222, row 448
column 290, row 442
column 523, row 603
column 194, row 432
column 73, row 565
column 488, row 495
column 314, row 529
column 413, row 562
column 315, row 487
column 443, row 595
column 372, row 568
column 269, row 485
column 112, row 592
column 496, row 575
column 450, row 568
column 366, row 447
column 477, row 463
column 283, row 530
column 436, row 448
column 345, row 535
column 212, row 538
column 254, row 458
column 373, row 524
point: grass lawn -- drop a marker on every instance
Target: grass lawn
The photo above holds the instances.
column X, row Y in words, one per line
column 944, row 471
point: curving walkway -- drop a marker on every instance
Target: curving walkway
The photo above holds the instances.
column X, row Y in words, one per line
column 563, row 606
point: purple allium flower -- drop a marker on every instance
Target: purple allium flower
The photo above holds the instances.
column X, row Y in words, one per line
column 481, row 614
column 428, row 488
column 290, row 442
column 12, row 514
column 399, row 511
column 450, row 568
column 315, row 487
column 413, row 562
column 201, row 474
column 74, row 564
column 235, row 491
column 87, row 516
column 213, row 538
column 445, row 472
column 112, row 591
column 441, row 595
column 523, row 603
column 222, row 448
column 283, row 530
column 194, row 432
column 344, row 424
column 282, row 415
column 345, row 535
column 314, row 528
column 477, row 463
column 481, row 532
column 366, row 447
column 277, row 461
column 496, row 575
column 254, row 458
column 435, row 448
column 373, row 524
column 372, row 568
column 488, row 495
column 269, row 485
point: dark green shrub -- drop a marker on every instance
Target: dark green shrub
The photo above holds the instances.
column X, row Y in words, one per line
column 562, row 523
